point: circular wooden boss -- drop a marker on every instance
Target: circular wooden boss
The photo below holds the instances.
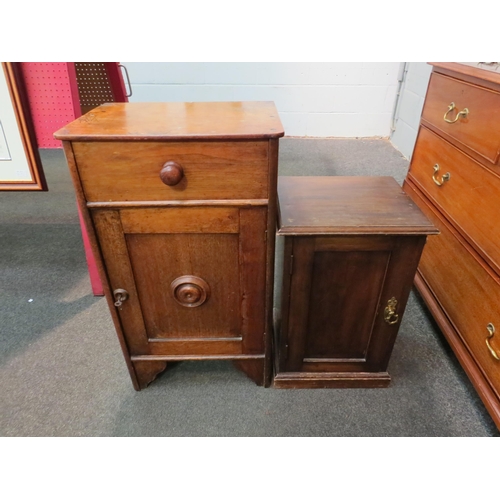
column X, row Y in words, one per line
column 190, row 291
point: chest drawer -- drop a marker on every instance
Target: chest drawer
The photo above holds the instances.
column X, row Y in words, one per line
column 467, row 292
column 465, row 196
column 479, row 128
column 130, row 171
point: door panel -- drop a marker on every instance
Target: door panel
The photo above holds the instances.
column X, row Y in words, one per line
column 340, row 287
column 194, row 292
column 345, row 291
column 159, row 259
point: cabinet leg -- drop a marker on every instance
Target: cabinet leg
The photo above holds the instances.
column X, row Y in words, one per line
column 254, row 369
column 147, row 371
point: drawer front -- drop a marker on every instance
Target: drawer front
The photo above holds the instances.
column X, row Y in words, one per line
column 480, row 129
column 468, row 196
column 130, row 171
column 466, row 291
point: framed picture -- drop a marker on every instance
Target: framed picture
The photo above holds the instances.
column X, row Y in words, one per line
column 20, row 165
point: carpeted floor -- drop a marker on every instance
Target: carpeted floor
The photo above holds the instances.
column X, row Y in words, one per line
column 62, row 371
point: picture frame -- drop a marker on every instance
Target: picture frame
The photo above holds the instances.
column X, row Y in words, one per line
column 20, row 164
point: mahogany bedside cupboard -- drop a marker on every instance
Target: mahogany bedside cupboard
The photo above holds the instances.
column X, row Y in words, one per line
column 454, row 178
column 179, row 200
column 351, row 249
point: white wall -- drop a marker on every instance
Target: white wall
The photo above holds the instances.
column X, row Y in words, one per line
column 313, row 99
column 409, row 109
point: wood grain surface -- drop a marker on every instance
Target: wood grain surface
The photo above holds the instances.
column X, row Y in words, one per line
column 181, row 220
column 352, row 246
column 466, row 197
column 176, row 120
column 347, row 205
column 124, row 171
column 479, row 74
column 459, row 274
column 158, row 259
column 467, row 291
column 194, row 254
column 479, row 129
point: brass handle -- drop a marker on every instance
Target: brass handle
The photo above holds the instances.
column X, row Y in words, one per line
column 444, row 178
column 491, row 329
column 171, row 173
column 120, row 296
column 390, row 315
column 451, row 107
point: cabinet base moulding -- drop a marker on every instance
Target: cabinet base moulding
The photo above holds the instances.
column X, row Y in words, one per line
column 301, row 380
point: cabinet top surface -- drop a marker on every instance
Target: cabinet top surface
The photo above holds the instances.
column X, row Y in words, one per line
column 488, row 72
column 176, row 121
column 347, row 205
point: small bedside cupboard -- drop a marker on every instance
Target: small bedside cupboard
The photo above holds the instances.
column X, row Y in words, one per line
column 351, row 248
column 179, row 200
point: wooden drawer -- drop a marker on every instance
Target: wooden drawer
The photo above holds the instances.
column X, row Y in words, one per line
column 466, row 197
column 130, row 171
column 479, row 129
column 465, row 289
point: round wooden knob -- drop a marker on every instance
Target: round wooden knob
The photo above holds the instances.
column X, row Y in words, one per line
column 190, row 291
column 171, row 173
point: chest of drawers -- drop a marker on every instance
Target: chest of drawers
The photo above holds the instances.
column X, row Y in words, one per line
column 351, row 248
column 179, row 200
column 454, row 177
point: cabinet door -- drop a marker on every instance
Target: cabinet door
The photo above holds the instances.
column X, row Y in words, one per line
column 340, row 288
column 195, row 277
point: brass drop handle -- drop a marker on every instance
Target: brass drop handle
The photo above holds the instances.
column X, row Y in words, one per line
column 451, row 107
column 491, row 330
column 171, row 173
column 444, row 178
column 120, row 296
column 390, row 315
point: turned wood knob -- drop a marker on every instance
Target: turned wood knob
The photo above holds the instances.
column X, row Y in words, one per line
column 190, row 291
column 171, row 173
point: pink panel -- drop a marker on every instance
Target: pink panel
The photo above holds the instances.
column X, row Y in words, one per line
column 49, row 89
column 95, row 281
column 53, row 99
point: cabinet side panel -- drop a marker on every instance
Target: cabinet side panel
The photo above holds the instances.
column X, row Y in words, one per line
column 89, row 226
column 273, row 155
column 252, row 265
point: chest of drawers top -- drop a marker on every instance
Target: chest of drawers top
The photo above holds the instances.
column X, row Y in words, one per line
column 174, row 121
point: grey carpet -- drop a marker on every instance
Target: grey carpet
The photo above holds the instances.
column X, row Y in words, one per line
column 62, row 371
